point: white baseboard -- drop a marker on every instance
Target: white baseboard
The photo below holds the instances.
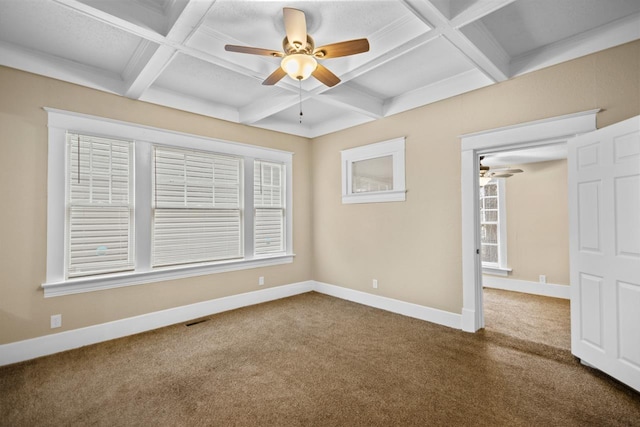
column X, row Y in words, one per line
column 545, row 289
column 55, row 343
column 421, row 312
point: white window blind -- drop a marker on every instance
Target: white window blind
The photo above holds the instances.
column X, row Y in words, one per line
column 197, row 210
column 99, row 205
column 268, row 201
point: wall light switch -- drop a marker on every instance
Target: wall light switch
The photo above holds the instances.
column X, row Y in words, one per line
column 260, row 281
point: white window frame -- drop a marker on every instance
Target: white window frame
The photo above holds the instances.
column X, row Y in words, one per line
column 145, row 137
column 500, row 268
column 393, row 147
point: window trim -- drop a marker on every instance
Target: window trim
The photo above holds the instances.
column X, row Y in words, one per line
column 393, row 147
column 145, row 137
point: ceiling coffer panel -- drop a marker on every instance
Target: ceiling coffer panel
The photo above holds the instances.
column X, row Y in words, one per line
column 57, row 31
column 211, row 82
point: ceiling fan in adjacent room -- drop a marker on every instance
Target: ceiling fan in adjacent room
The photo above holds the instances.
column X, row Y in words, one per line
column 300, row 56
column 487, row 174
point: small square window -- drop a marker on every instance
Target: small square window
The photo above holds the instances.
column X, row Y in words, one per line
column 374, row 173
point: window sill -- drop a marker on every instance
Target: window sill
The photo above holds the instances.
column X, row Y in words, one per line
column 375, row 197
column 110, row 281
column 496, row 271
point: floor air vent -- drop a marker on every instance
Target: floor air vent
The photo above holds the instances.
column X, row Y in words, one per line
column 195, row 322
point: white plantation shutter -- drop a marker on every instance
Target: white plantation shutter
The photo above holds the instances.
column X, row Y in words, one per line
column 99, row 205
column 268, row 201
column 197, row 216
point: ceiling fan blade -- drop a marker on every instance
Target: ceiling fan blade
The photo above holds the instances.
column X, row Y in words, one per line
column 501, row 175
column 325, row 76
column 336, row 50
column 507, row 170
column 274, row 77
column 253, row 50
column 295, row 24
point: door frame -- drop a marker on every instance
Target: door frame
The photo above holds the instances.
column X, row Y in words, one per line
column 537, row 133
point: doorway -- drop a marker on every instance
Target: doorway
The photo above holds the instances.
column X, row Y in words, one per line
column 539, row 133
column 525, row 245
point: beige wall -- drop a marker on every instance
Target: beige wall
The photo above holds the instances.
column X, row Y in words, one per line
column 414, row 248
column 538, row 222
column 24, row 312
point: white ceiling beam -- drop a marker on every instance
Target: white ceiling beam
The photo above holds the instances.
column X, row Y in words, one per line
column 268, row 106
column 355, row 100
column 290, row 127
column 392, row 54
column 149, row 72
column 452, row 86
column 338, row 124
column 112, row 20
column 183, row 28
column 431, row 15
column 615, row 33
column 478, row 34
column 478, row 10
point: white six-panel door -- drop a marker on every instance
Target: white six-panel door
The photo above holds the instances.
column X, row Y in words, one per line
column 604, row 218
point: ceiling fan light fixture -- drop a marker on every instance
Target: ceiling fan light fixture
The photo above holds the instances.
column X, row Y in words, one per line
column 299, row 66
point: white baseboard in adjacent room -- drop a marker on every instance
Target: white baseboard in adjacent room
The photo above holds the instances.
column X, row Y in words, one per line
column 525, row 286
column 421, row 312
column 67, row 340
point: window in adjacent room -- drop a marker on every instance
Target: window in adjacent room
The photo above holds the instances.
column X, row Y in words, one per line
column 493, row 227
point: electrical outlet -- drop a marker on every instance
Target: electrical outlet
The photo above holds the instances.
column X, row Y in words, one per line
column 56, row 321
column 543, row 278
column 260, row 280
column 375, row 283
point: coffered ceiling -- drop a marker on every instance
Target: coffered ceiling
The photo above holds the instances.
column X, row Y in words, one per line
column 171, row 52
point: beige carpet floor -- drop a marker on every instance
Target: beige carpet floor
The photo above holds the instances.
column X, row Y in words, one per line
column 313, row 360
column 535, row 318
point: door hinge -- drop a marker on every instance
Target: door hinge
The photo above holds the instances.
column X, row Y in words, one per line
column 477, row 251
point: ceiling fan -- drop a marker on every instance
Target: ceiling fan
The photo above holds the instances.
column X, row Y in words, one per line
column 487, row 174
column 299, row 59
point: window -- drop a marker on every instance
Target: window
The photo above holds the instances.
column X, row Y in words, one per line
column 493, row 228
column 269, row 207
column 130, row 204
column 196, row 215
column 99, row 206
column 374, row 173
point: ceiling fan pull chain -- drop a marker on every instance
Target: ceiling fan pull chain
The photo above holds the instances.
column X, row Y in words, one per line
column 78, row 158
column 300, row 82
